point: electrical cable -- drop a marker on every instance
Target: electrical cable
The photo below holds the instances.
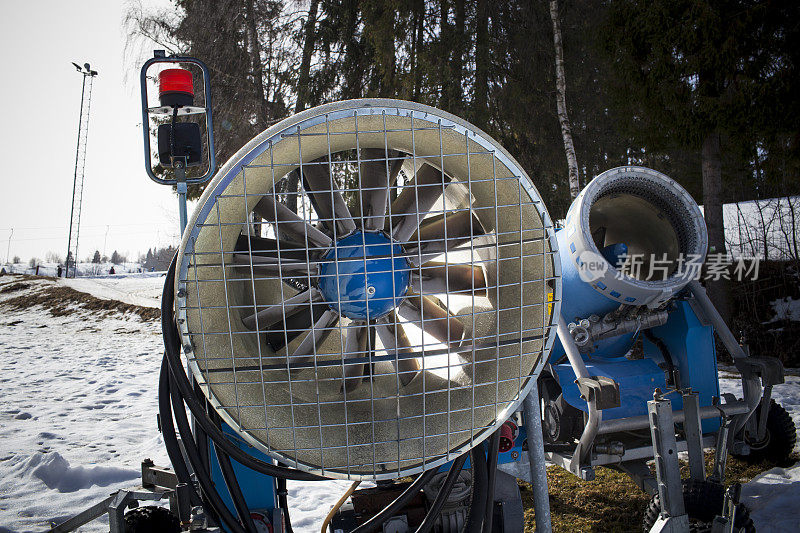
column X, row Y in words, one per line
column 168, row 433
column 374, row 523
column 200, row 470
column 337, row 505
column 235, row 491
column 444, row 493
column 662, row 347
column 283, row 503
column 184, row 391
column 488, row 518
column 480, row 490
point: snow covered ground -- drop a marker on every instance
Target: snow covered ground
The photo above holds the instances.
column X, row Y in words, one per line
column 78, row 414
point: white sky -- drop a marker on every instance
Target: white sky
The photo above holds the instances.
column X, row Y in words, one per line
column 40, row 92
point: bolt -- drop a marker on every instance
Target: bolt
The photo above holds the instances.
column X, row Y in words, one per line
column 370, row 291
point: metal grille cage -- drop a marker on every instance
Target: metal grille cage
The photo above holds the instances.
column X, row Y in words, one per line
column 367, row 288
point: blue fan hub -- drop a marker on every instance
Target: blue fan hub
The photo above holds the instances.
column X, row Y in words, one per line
column 364, row 276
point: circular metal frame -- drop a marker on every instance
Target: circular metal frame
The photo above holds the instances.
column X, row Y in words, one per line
column 330, row 112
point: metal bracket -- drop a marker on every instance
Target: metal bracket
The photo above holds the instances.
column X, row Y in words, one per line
column 694, row 435
column 668, row 474
column 600, row 388
column 769, row 369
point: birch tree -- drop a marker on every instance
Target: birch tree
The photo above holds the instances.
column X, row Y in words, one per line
column 561, row 103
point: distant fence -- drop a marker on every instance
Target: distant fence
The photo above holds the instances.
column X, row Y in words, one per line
column 769, row 228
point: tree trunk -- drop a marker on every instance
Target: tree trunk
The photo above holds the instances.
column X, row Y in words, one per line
column 257, row 71
column 456, row 97
column 561, row 103
column 712, row 211
column 444, row 53
column 480, row 113
column 303, row 80
column 419, row 14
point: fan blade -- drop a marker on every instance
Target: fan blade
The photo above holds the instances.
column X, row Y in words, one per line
column 417, row 198
column 294, row 324
column 264, row 247
column 276, row 266
column 274, row 313
column 394, row 339
column 375, row 181
column 307, row 348
column 355, row 346
column 432, row 319
column 326, row 198
column 460, row 227
column 440, row 278
column 290, row 224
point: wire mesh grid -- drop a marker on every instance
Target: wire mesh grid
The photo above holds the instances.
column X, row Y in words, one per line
column 366, row 290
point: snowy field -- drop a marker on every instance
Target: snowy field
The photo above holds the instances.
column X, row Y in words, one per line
column 78, row 413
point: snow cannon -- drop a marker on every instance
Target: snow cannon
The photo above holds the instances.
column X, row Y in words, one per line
column 633, row 375
column 367, row 290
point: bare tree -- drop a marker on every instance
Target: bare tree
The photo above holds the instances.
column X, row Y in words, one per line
column 310, row 34
column 561, row 103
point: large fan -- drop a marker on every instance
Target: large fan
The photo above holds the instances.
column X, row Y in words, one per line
column 367, row 288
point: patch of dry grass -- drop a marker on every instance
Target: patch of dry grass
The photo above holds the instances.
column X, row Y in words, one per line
column 613, row 502
column 60, row 300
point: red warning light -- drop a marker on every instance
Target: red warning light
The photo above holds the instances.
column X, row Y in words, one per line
column 175, row 87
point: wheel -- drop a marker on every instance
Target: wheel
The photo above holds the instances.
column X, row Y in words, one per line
column 151, row 519
column 703, row 500
column 561, row 422
column 779, row 440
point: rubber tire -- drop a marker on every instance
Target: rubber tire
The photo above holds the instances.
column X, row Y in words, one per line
column 151, row 519
column 781, row 435
column 703, row 500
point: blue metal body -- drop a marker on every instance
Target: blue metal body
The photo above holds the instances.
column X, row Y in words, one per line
column 689, row 343
column 364, row 276
column 579, row 300
column 259, row 490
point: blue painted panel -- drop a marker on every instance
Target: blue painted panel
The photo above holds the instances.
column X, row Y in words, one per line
column 691, row 346
column 579, row 300
column 637, row 380
column 258, row 489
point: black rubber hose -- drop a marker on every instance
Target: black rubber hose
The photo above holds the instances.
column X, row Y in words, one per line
column 376, row 522
column 491, row 460
column 441, row 498
column 168, row 428
column 201, row 439
column 480, row 490
column 170, row 437
column 235, row 491
column 203, row 477
column 283, row 503
column 184, row 389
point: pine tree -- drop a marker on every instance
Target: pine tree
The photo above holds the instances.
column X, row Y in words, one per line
column 96, row 257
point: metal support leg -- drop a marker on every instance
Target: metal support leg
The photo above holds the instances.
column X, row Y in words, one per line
column 116, row 512
column 182, row 189
column 533, row 426
column 721, row 452
column 665, row 451
column 694, row 435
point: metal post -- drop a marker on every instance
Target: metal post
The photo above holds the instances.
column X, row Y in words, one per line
column 80, row 164
column 8, row 248
column 665, row 452
column 180, row 175
column 694, row 435
column 533, row 427
column 75, row 181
